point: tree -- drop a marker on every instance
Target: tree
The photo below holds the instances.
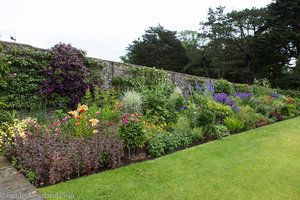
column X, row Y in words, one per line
column 246, row 27
column 197, row 63
column 284, row 21
column 158, row 47
column 214, row 34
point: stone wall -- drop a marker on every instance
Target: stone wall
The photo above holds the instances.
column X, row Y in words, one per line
column 111, row 69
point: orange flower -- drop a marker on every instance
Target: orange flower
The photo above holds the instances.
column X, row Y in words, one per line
column 82, row 108
column 74, row 113
column 77, row 123
column 78, row 117
column 94, row 121
column 290, row 100
column 117, row 105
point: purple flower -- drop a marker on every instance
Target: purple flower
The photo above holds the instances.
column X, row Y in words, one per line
column 275, row 95
column 210, row 87
column 198, row 87
column 223, row 98
column 220, row 97
column 235, row 108
column 243, row 95
column 229, row 102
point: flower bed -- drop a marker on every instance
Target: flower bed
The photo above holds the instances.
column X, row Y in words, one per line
column 150, row 118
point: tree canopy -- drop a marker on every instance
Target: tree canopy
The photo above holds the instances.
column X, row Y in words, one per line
column 158, row 47
column 238, row 45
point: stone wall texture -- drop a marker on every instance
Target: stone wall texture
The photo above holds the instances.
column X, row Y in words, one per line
column 111, row 69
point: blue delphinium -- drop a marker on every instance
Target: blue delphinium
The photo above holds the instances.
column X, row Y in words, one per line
column 198, row 87
column 210, row 87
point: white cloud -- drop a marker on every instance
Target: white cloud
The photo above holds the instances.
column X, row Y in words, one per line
column 102, row 28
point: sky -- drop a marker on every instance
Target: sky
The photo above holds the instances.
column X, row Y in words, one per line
column 102, row 28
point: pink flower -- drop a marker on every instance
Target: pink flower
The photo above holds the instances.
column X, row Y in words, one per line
column 136, row 120
column 125, row 121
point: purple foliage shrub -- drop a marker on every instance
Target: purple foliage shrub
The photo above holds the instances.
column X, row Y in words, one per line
column 55, row 157
column 66, row 74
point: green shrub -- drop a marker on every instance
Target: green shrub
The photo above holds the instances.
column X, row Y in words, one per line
column 221, row 131
column 285, row 111
column 261, row 87
column 204, row 118
column 156, row 145
column 249, row 116
column 122, row 83
column 132, row 131
column 233, row 124
column 155, row 107
column 23, row 75
column 201, row 99
column 182, row 125
column 223, row 86
column 107, row 114
column 220, row 110
column 176, row 140
column 191, row 112
column 151, row 78
column 242, row 88
column 197, row 134
column 132, row 102
column 176, row 99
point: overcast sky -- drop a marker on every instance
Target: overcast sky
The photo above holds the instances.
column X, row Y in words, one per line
column 102, row 28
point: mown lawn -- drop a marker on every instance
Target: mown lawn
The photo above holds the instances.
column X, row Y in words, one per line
column 259, row 164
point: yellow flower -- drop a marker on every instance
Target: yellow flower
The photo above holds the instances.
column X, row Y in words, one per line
column 74, row 113
column 82, row 108
column 22, row 134
column 95, row 131
column 94, row 121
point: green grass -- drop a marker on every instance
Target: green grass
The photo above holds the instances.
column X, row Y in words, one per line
column 259, row 164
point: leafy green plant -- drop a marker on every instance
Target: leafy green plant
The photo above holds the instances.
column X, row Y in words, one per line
column 132, row 132
column 176, row 100
column 204, row 118
column 223, row 86
column 242, row 88
column 221, row 131
column 24, row 75
column 132, row 102
column 197, row 133
column 31, row 176
column 233, row 124
column 182, row 125
column 220, row 110
column 261, row 86
column 156, row 145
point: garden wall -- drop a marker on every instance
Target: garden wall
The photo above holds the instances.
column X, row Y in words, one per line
column 111, row 69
